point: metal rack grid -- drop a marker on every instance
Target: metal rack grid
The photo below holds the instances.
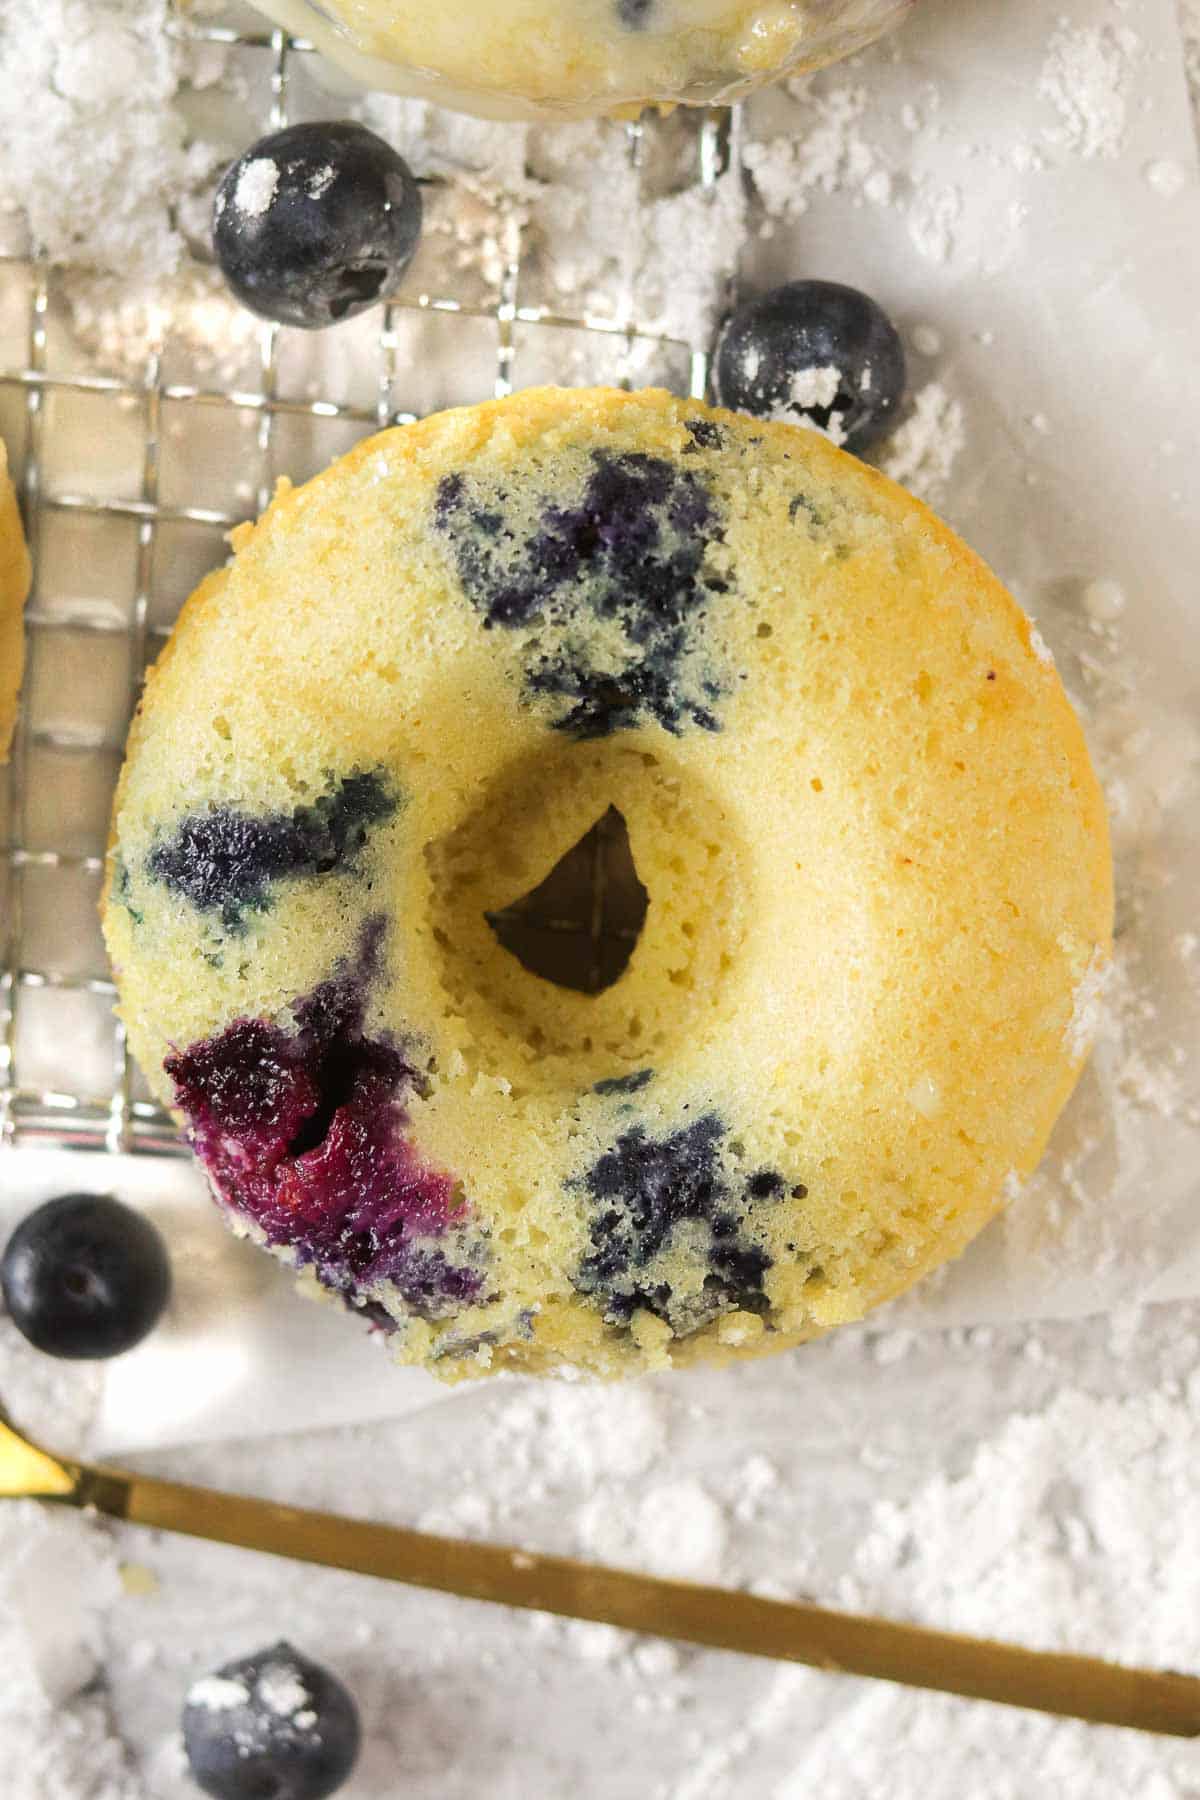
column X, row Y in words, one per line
column 56, row 869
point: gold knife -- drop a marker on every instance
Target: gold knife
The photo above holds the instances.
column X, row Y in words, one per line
column 1077, row 1687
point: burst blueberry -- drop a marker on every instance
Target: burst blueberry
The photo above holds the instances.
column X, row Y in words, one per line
column 816, row 352
column 85, row 1277
column 316, row 223
column 302, row 1131
column 271, row 1726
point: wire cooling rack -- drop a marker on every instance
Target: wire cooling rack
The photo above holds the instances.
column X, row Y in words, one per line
column 128, row 486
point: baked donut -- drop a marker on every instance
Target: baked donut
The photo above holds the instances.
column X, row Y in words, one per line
column 575, row 58
column 873, row 848
column 14, row 586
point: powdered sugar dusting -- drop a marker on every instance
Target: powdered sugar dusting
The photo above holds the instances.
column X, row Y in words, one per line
column 1086, row 1015
column 218, row 1693
column 808, row 390
column 94, row 150
column 1086, row 78
column 828, row 155
column 815, row 387
column 925, row 446
column 257, row 186
column 58, row 1575
column 1040, row 647
column 933, row 220
column 282, row 1692
column 678, row 1531
column 1043, row 1539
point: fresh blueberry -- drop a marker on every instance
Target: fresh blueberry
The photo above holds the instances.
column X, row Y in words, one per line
column 316, row 223
column 272, row 1726
column 817, row 352
column 84, row 1277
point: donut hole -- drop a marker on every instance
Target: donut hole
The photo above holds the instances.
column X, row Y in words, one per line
column 578, row 928
column 586, row 918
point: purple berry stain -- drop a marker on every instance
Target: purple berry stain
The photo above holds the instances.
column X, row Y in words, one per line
column 302, row 1132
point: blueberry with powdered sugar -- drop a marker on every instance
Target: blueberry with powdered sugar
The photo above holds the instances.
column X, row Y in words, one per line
column 271, row 1726
column 813, row 353
column 316, row 223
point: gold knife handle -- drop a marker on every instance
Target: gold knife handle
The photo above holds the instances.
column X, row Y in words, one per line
column 1078, row 1687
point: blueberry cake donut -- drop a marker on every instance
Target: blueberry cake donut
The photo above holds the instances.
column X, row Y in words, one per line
column 574, row 58
column 872, row 847
column 14, row 585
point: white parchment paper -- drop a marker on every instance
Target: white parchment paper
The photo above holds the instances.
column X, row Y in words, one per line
column 1048, row 291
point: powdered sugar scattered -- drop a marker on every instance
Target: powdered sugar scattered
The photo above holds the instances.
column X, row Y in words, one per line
column 582, row 1434
column 678, row 1531
column 933, row 218
column 1104, row 600
column 56, row 1577
column 810, row 390
column 218, row 1693
column 1115, row 1539
column 257, row 185
column 1166, row 177
column 283, row 1693
column 828, row 155
column 923, row 449
column 1086, row 78
column 815, row 387
column 1088, row 1012
column 1040, row 647
column 670, row 273
column 94, row 149
column 1057, row 1521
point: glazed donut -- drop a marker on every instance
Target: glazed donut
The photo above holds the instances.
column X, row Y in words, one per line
column 573, row 58
column 14, row 586
column 873, row 850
